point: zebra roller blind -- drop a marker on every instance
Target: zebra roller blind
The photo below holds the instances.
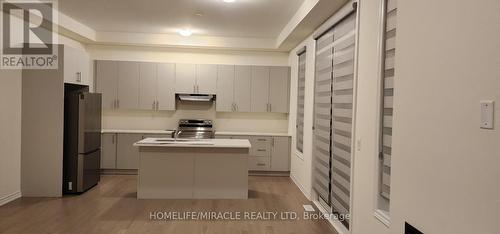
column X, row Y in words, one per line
column 322, row 116
column 388, row 91
column 342, row 109
column 301, row 84
column 333, row 113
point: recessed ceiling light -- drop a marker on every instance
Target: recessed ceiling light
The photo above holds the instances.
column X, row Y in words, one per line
column 228, row 1
column 185, row 32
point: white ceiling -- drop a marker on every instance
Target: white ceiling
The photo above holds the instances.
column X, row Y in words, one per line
column 243, row 18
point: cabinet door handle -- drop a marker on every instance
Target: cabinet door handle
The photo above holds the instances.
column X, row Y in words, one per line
column 270, row 107
column 157, row 105
column 261, row 139
column 154, row 105
column 261, row 164
column 194, row 88
column 113, row 138
column 118, row 103
column 261, row 150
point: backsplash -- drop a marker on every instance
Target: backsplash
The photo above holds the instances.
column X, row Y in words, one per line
column 238, row 122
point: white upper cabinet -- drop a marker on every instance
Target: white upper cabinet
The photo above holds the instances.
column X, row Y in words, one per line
column 76, row 66
column 260, row 89
column 165, row 87
column 206, row 79
column 107, row 82
column 196, row 78
column 70, row 65
column 185, row 78
column 242, row 83
column 147, row 86
column 233, row 88
column 136, row 85
column 128, row 83
column 84, row 69
column 152, row 86
column 225, row 88
column 279, row 89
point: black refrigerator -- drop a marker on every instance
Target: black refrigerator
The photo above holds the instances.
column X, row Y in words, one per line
column 82, row 139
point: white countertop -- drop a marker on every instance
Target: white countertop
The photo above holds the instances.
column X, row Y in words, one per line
column 216, row 133
column 188, row 143
column 137, row 131
column 252, row 134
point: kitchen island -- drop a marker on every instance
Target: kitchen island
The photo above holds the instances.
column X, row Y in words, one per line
column 192, row 169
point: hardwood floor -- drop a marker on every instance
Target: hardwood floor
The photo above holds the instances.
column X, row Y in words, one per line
column 112, row 207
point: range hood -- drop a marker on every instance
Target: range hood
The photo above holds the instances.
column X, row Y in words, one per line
column 196, row 97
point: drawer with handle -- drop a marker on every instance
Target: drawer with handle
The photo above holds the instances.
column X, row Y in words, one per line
column 261, row 146
column 259, row 163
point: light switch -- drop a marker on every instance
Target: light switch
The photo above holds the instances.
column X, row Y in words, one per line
column 487, row 110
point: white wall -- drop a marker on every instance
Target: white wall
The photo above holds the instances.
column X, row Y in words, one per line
column 149, row 120
column 446, row 169
column 10, row 135
column 253, row 122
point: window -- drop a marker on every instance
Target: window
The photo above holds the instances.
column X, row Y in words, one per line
column 387, row 76
column 301, row 84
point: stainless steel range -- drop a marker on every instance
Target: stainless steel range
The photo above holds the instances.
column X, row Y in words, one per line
column 195, row 129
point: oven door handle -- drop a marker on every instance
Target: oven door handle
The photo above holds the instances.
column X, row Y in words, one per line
column 177, row 134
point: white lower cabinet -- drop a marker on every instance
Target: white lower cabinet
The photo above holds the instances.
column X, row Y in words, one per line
column 268, row 153
column 127, row 155
column 118, row 152
column 108, row 151
column 280, row 159
column 259, row 164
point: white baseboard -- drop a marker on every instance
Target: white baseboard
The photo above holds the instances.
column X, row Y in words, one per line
column 302, row 189
column 339, row 227
column 11, row 197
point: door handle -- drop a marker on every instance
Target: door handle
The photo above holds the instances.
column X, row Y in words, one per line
column 157, row 105
column 261, row 164
column 154, row 105
column 118, row 103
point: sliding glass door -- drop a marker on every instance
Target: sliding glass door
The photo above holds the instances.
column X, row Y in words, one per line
column 333, row 115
